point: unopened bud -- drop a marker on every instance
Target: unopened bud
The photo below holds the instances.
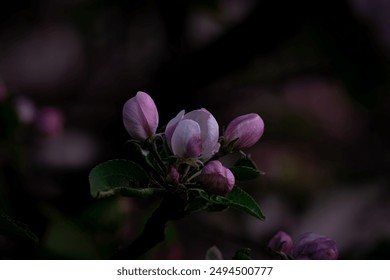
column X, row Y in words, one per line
column 246, row 130
column 140, row 116
column 311, row 246
column 173, row 176
column 281, row 242
column 216, row 178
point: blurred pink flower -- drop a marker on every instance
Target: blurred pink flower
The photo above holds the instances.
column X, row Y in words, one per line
column 43, row 59
column 25, row 109
column 312, row 246
column 50, row 121
column 325, row 104
column 70, row 150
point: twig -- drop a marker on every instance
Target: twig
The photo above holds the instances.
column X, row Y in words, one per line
column 171, row 208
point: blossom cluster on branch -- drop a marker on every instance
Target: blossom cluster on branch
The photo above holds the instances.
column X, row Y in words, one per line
column 193, row 141
column 191, row 167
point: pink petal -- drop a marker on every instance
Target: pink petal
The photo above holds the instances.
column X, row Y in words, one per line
column 186, row 139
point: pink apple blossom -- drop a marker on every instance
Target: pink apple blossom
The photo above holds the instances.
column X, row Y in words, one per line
column 247, row 129
column 140, row 116
column 193, row 135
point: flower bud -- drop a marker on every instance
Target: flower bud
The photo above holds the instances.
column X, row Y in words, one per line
column 281, row 242
column 3, row 91
column 216, row 178
column 311, row 246
column 173, row 176
column 140, row 116
column 247, row 129
column 194, row 134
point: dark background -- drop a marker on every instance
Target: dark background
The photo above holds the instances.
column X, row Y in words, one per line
column 317, row 72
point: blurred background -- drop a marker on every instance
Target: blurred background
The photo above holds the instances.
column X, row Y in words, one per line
column 316, row 72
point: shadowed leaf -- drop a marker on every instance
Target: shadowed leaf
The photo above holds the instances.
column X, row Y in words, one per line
column 119, row 176
column 238, row 199
column 13, row 228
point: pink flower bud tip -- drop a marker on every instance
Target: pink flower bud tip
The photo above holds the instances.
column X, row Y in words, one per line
column 281, row 242
column 216, row 178
column 140, row 116
column 247, row 129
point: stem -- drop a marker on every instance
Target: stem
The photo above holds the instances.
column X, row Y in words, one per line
column 157, row 157
column 194, row 175
column 185, row 173
column 171, row 208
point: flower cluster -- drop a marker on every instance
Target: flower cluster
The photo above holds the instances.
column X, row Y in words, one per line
column 308, row 246
column 191, row 149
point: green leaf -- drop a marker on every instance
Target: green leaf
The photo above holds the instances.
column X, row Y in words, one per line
column 237, row 199
column 203, row 202
column 216, row 207
column 196, row 204
column 245, row 169
column 122, row 177
column 13, row 228
column 241, row 200
column 244, row 173
column 242, row 254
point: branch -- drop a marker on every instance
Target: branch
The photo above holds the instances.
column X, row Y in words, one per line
column 171, row 208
